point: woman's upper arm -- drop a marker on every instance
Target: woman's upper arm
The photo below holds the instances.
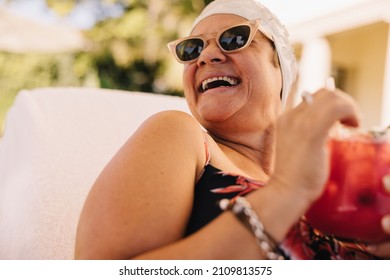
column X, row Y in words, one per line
column 143, row 198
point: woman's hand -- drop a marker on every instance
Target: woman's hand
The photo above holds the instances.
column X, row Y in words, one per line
column 301, row 163
column 382, row 249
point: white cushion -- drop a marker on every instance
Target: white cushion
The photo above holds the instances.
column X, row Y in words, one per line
column 55, row 144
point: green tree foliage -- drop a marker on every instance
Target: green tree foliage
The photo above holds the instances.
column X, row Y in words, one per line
column 128, row 52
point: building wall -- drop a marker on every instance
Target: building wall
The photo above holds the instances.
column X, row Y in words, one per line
column 358, row 62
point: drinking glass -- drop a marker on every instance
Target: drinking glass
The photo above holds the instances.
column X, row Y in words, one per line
column 357, row 193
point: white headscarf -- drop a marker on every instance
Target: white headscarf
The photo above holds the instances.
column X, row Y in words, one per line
column 270, row 26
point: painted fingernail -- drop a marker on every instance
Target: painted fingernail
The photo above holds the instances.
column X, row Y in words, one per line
column 330, row 83
column 307, row 97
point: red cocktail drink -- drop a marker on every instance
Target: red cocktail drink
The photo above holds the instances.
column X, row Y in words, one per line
column 355, row 197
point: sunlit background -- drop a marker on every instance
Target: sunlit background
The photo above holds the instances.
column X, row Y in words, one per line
column 120, row 44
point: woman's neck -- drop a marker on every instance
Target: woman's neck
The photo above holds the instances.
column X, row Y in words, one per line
column 251, row 152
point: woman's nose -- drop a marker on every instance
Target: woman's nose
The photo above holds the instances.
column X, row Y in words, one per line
column 211, row 54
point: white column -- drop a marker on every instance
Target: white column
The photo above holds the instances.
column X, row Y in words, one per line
column 314, row 65
column 385, row 116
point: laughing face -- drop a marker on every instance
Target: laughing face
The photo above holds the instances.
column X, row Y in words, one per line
column 233, row 87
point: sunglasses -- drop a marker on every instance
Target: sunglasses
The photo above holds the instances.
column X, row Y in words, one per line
column 229, row 40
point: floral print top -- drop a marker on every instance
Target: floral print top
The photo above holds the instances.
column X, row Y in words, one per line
column 302, row 242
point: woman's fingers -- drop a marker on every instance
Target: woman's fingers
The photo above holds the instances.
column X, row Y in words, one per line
column 382, row 249
column 386, row 224
column 332, row 106
column 386, row 183
column 302, row 133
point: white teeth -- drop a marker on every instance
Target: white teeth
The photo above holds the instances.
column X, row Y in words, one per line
column 231, row 81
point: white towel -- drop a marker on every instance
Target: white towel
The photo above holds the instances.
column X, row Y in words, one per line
column 55, row 144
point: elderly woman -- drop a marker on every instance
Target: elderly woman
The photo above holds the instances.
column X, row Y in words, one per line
column 164, row 194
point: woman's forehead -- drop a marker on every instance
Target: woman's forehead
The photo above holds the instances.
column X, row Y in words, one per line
column 216, row 23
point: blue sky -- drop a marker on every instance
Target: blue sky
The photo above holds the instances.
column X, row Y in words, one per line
column 83, row 16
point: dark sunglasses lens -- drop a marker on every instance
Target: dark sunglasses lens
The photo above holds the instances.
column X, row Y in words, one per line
column 189, row 49
column 235, row 38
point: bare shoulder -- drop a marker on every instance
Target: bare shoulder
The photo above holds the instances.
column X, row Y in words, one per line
column 172, row 134
column 150, row 182
column 172, row 122
column 173, row 130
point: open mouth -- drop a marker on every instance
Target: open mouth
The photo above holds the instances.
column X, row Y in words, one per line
column 216, row 82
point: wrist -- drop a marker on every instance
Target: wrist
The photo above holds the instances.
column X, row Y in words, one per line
column 244, row 212
column 295, row 191
column 279, row 208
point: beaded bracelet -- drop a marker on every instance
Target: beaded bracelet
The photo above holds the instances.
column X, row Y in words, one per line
column 242, row 209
